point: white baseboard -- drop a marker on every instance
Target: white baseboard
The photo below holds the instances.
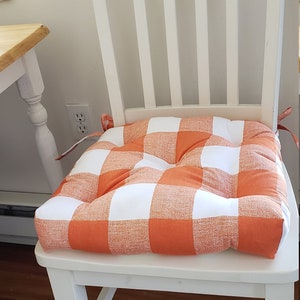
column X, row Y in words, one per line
column 23, row 199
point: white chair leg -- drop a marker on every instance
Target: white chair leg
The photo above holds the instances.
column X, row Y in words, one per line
column 280, row 291
column 107, row 293
column 63, row 286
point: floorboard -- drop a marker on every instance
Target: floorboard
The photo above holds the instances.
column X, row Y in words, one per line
column 21, row 278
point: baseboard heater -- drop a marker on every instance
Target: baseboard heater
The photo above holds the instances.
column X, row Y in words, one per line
column 17, row 211
column 16, row 216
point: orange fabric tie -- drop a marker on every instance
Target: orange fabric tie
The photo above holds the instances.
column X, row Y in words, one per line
column 282, row 116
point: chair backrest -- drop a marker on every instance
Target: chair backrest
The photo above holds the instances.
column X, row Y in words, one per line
column 189, row 34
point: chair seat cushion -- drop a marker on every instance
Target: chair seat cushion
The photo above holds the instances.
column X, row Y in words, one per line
column 168, row 185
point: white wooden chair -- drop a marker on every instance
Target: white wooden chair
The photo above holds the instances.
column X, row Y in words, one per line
column 227, row 273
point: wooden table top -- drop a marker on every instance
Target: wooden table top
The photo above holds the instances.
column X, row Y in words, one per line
column 16, row 40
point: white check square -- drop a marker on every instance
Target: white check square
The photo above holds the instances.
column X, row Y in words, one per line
column 231, row 131
column 132, row 202
column 90, row 162
column 221, row 157
column 209, row 205
column 163, row 124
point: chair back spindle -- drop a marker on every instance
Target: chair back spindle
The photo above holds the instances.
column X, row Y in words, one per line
column 202, row 52
column 232, row 52
column 144, row 53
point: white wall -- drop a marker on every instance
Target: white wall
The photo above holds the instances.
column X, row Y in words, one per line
column 72, row 71
column 70, row 64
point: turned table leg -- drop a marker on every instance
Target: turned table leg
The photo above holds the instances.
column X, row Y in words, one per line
column 31, row 87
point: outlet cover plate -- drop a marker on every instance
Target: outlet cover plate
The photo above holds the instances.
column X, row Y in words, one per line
column 79, row 119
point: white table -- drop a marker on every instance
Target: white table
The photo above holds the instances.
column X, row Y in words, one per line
column 18, row 63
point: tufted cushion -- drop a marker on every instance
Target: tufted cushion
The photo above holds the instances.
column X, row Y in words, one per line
column 172, row 186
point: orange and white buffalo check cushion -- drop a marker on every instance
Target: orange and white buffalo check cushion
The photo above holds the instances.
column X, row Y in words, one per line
column 172, row 186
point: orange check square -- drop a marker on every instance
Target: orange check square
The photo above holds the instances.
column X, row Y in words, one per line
column 171, row 236
column 89, row 235
column 183, row 176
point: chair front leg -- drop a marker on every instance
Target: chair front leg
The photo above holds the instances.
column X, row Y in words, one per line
column 64, row 287
column 280, row 291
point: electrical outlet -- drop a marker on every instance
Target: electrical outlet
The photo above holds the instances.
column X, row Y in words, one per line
column 82, row 129
column 79, row 117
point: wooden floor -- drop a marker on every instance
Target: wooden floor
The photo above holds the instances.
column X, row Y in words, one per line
column 22, row 278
